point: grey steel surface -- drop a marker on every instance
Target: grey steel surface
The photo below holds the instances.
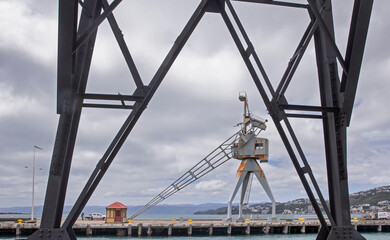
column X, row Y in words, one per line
column 75, row 48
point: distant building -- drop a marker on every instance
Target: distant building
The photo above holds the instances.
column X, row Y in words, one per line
column 265, row 211
column 286, row 211
column 310, row 209
column 116, row 213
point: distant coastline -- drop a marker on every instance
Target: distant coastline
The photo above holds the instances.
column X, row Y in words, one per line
column 12, row 213
column 373, row 200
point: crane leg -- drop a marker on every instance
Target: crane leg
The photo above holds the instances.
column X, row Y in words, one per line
column 243, row 191
column 264, row 183
column 238, row 184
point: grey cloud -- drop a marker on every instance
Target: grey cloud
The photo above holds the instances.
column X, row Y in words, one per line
column 195, row 108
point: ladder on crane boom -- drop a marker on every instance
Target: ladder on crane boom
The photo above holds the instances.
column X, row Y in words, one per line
column 216, row 158
column 250, row 129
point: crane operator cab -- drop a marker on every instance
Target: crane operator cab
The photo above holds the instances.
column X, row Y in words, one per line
column 248, row 145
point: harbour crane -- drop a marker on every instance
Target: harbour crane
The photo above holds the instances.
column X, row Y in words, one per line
column 245, row 146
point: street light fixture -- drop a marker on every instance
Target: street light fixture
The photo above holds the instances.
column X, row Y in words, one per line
column 33, row 182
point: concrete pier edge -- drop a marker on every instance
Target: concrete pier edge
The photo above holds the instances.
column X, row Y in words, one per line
column 205, row 228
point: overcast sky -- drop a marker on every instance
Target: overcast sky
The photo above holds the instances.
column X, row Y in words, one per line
column 195, row 108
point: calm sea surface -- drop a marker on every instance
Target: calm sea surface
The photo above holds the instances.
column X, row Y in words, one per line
column 191, row 216
column 368, row 236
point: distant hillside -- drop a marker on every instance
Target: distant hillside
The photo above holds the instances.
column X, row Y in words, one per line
column 303, row 205
column 252, row 209
column 372, row 196
column 183, row 209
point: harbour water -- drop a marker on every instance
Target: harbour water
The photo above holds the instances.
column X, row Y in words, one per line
column 192, row 216
column 368, row 236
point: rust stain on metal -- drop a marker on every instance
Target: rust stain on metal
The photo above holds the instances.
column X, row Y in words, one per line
column 240, row 168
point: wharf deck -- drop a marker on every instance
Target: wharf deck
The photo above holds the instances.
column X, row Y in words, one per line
column 196, row 227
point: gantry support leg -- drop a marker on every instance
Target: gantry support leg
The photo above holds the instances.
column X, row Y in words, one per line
column 242, row 197
column 73, row 69
column 238, row 184
column 264, row 183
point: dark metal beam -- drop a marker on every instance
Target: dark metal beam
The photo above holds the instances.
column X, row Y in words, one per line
column 68, row 124
column 307, row 108
column 277, row 3
column 277, row 116
column 295, row 60
column 250, row 51
column 123, row 46
column 94, row 105
column 329, row 34
column 84, row 8
column 94, row 26
column 130, row 122
column 327, row 75
column 354, row 56
column 67, row 25
column 335, row 133
column 120, row 97
column 292, row 115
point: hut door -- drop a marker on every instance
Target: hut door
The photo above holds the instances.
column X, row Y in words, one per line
column 118, row 216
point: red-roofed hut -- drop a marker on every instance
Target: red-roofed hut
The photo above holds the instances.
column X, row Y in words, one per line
column 116, row 213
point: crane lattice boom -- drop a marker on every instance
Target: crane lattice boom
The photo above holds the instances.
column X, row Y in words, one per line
column 216, row 158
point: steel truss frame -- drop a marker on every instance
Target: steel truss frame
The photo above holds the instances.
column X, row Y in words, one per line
column 75, row 48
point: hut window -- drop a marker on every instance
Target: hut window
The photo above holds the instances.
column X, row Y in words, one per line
column 259, row 145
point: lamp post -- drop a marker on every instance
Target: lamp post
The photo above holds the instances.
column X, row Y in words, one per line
column 33, row 182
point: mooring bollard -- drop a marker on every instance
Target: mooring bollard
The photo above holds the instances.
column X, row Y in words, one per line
column 139, row 229
column 266, row 229
column 18, row 230
column 88, row 231
column 285, row 229
column 129, row 229
column 248, row 229
column 190, row 230
column 303, row 229
column 170, row 230
column 149, row 230
column 211, row 229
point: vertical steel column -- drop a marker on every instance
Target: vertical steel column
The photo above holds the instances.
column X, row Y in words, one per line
column 277, row 115
column 361, row 16
column 73, row 70
column 334, row 126
column 130, row 122
column 328, row 81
